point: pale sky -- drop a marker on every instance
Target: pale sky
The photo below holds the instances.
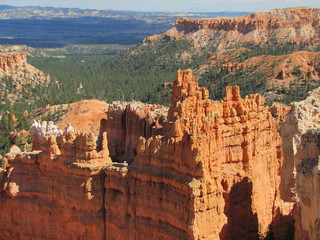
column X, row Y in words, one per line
column 169, row 5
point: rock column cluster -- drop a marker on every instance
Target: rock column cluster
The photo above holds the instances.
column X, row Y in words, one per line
column 201, row 170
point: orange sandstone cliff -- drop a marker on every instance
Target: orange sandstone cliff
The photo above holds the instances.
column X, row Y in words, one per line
column 15, row 65
column 279, row 70
column 204, row 170
column 56, row 191
column 216, row 164
column 249, row 47
column 291, row 25
column 17, row 76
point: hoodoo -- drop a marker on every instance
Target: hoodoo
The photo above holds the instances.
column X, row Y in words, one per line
column 203, row 170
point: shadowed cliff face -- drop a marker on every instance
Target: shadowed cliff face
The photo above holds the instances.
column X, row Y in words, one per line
column 127, row 122
column 204, row 170
column 239, row 207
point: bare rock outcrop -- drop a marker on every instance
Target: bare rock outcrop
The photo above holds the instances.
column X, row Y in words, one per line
column 15, row 65
column 201, row 169
column 232, row 67
column 18, row 76
column 32, row 52
column 215, row 164
column 291, row 25
column 57, row 190
column 127, row 122
column 301, row 164
column 41, row 130
column 84, row 115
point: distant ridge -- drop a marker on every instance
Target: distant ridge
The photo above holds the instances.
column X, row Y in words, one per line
column 51, row 27
column 2, row 7
column 26, row 12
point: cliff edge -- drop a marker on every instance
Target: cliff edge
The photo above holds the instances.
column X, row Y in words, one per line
column 302, row 156
column 279, row 26
column 201, row 169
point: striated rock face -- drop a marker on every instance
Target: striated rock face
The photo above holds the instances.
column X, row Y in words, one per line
column 278, row 18
column 58, row 192
column 307, row 162
column 127, row 122
column 300, row 64
column 281, row 71
column 204, row 175
column 250, row 47
column 302, row 152
column 9, row 61
column 201, row 170
column 292, row 25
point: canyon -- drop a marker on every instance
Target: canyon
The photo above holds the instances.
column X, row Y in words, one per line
column 194, row 170
column 277, row 48
column 198, row 169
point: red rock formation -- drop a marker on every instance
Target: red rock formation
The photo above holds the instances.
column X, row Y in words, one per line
column 283, row 74
column 10, row 61
column 292, row 25
column 232, row 67
column 225, row 39
column 210, row 170
column 127, row 122
column 151, row 39
column 83, row 115
column 217, row 164
column 15, row 66
column 58, row 192
column 307, row 164
column 279, row 18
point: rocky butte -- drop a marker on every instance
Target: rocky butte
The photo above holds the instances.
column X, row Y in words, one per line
column 201, row 169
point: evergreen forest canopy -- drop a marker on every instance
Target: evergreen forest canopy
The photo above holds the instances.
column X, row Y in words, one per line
column 140, row 74
column 116, row 72
column 92, row 41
